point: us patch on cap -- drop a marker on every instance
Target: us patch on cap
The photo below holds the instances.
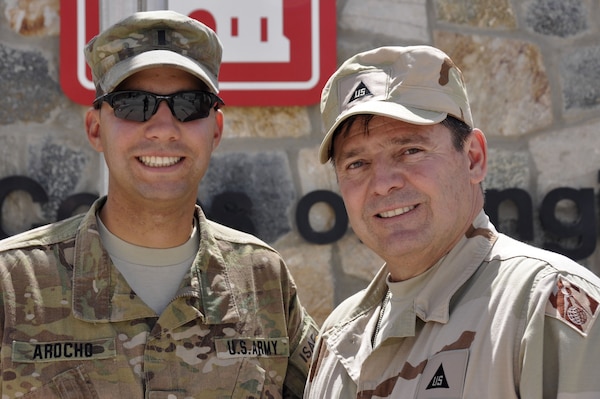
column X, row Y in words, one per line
column 572, row 305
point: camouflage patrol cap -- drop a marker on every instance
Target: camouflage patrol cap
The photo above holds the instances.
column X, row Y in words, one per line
column 415, row 84
column 152, row 39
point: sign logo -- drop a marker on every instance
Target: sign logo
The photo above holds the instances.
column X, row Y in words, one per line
column 275, row 52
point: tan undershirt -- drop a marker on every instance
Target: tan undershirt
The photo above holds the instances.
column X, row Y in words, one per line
column 154, row 274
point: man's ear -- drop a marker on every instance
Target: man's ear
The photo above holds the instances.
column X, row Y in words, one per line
column 92, row 128
column 218, row 128
column 477, row 152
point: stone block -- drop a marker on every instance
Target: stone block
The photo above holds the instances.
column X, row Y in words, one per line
column 265, row 122
column 310, row 266
column 399, row 19
column 58, row 168
column 264, row 194
column 568, row 157
column 33, row 17
column 11, row 150
column 29, row 93
column 580, row 75
column 508, row 86
column 561, row 18
column 481, row 13
column 508, row 168
column 357, row 259
column 313, row 174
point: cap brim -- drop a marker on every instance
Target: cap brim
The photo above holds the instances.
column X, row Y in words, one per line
column 153, row 59
column 415, row 116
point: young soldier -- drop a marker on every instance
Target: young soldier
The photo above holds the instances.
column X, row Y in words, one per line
column 143, row 297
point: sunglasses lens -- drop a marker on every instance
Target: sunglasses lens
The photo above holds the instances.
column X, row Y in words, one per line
column 133, row 105
column 189, row 106
column 139, row 106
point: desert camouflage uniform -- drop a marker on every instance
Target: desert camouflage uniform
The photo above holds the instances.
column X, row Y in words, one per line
column 497, row 319
column 73, row 328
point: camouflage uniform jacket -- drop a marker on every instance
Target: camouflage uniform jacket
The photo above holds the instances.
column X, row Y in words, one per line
column 495, row 319
column 73, row 328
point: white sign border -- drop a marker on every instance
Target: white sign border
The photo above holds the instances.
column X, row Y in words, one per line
column 224, row 85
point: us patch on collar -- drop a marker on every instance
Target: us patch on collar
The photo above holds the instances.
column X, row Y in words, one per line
column 572, row 305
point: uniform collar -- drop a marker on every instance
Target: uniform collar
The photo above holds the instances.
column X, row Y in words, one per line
column 453, row 270
column 350, row 337
column 101, row 294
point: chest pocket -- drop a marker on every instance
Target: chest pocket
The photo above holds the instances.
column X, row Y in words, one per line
column 71, row 384
column 444, row 375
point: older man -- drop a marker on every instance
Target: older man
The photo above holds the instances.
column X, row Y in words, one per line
column 459, row 310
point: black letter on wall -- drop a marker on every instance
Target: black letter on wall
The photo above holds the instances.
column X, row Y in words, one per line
column 521, row 199
column 303, row 222
column 583, row 228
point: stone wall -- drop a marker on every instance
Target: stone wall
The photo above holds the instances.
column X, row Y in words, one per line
column 533, row 73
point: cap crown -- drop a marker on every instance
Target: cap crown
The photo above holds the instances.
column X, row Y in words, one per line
column 150, row 39
column 416, row 84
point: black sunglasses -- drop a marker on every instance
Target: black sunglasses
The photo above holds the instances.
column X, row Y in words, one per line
column 139, row 106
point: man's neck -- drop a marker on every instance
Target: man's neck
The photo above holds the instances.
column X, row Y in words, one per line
column 153, row 227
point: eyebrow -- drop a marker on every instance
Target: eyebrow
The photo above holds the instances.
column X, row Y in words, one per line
column 403, row 140
column 348, row 154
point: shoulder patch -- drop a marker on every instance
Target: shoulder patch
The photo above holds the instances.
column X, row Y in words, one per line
column 572, row 305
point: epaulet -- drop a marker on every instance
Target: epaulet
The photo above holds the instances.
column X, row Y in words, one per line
column 43, row 235
column 220, row 231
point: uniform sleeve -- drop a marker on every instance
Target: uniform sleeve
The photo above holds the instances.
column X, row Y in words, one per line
column 302, row 331
column 320, row 352
column 560, row 352
column 1, row 329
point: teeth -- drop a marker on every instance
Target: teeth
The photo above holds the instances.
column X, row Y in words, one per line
column 396, row 212
column 157, row 162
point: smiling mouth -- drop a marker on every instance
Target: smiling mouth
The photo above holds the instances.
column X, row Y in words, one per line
column 159, row 162
column 396, row 212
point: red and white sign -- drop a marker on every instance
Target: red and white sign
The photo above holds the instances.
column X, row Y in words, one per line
column 275, row 52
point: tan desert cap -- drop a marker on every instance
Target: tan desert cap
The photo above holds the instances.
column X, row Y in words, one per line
column 151, row 39
column 414, row 84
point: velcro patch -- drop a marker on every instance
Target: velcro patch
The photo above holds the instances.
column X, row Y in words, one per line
column 572, row 305
column 444, row 375
column 34, row 352
column 228, row 348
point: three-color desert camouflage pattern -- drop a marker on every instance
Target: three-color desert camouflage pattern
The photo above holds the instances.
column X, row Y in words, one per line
column 73, row 328
column 416, row 84
column 495, row 319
